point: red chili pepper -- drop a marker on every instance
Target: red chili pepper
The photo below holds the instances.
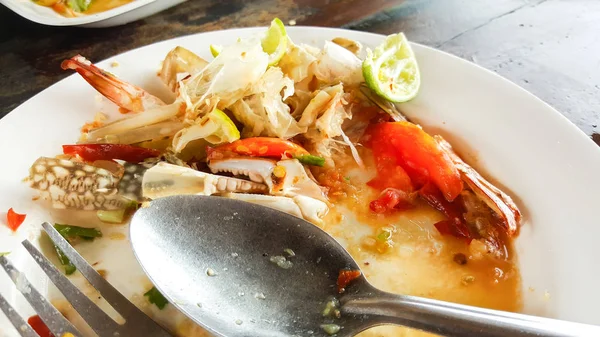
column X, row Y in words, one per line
column 14, row 220
column 345, row 277
column 455, row 224
column 391, row 199
column 93, row 152
column 36, row 323
column 262, row 147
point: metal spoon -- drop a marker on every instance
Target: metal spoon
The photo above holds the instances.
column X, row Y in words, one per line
column 211, row 258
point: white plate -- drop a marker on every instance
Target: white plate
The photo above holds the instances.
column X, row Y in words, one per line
column 536, row 154
column 121, row 15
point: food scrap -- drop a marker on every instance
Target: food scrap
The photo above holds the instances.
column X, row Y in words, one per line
column 71, row 233
column 155, row 297
column 36, row 323
column 14, row 219
column 345, row 277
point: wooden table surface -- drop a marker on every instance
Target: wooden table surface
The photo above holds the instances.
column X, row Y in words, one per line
column 549, row 47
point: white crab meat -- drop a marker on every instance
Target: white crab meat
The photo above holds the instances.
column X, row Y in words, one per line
column 312, row 209
column 302, row 207
column 166, row 179
column 296, row 181
column 256, row 169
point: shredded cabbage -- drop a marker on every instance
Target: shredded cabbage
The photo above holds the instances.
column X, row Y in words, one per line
column 215, row 128
column 178, row 64
column 263, row 112
column 336, row 64
column 226, row 79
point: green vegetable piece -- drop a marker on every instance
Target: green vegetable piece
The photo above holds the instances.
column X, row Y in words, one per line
column 384, row 235
column 156, row 298
column 79, row 5
column 69, row 232
column 64, row 260
column 116, row 216
column 4, row 253
column 309, row 159
column 330, row 329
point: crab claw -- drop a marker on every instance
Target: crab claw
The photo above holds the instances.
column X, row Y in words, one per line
column 256, row 169
column 123, row 94
column 166, row 179
column 287, row 177
column 494, row 198
column 308, row 208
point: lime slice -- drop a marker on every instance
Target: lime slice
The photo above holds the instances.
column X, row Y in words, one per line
column 275, row 41
column 215, row 50
column 391, row 70
column 226, row 131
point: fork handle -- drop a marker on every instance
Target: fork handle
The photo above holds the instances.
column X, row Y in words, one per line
column 455, row 320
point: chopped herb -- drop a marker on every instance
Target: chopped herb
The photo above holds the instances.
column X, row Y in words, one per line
column 347, row 178
column 330, row 329
column 309, row 159
column 156, row 298
column 289, row 252
column 281, row 262
column 332, row 308
column 70, row 233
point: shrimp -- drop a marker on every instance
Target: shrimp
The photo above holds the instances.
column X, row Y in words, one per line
column 125, row 95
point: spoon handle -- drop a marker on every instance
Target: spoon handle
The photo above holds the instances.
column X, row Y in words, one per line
column 455, row 320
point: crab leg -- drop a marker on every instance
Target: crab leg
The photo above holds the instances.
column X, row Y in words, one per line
column 123, row 94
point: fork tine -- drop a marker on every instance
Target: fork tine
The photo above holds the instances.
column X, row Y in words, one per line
column 53, row 319
column 110, row 294
column 97, row 319
column 17, row 321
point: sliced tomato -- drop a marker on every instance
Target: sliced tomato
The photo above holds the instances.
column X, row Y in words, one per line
column 392, row 199
column 419, row 155
column 345, row 277
column 93, row 152
column 14, row 220
column 389, row 173
column 262, row 147
column 36, row 323
column 455, row 224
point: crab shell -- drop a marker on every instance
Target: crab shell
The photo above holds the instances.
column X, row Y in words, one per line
column 167, row 179
column 300, row 206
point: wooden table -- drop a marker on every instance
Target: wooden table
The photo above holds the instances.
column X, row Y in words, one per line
column 549, row 47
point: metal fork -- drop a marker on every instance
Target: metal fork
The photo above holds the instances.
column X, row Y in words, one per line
column 137, row 324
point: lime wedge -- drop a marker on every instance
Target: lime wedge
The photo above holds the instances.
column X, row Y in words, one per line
column 391, row 70
column 226, row 131
column 274, row 42
column 215, row 50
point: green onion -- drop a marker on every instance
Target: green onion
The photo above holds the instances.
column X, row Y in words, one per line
column 309, row 159
column 330, row 329
column 116, row 216
column 71, row 232
column 155, row 297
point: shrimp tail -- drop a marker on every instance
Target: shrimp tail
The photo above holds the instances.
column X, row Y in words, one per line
column 123, row 94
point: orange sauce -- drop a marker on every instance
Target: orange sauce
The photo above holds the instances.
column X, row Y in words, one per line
column 416, row 259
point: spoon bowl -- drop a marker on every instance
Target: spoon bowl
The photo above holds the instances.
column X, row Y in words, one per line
column 180, row 241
